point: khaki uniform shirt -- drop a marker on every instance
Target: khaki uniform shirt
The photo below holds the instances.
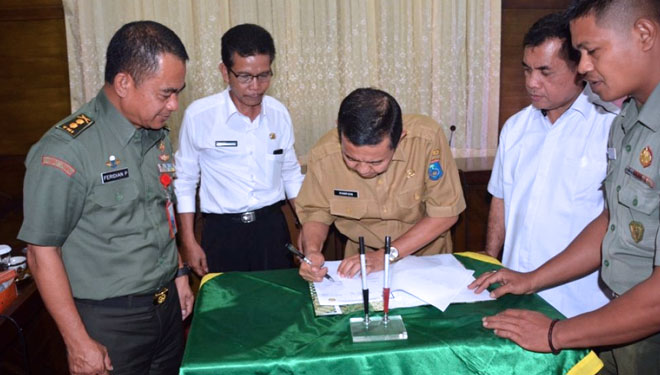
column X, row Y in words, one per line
column 108, row 217
column 422, row 180
column 632, row 190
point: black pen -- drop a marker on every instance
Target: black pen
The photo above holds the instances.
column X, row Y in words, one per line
column 365, row 287
column 386, row 279
column 302, row 257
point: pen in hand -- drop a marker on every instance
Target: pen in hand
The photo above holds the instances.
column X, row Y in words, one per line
column 302, row 257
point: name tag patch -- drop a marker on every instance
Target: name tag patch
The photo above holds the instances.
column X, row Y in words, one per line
column 226, row 143
column 346, row 193
column 114, row 175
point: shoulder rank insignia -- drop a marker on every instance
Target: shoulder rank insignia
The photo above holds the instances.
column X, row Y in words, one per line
column 646, row 156
column 435, row 170
column 76, row 125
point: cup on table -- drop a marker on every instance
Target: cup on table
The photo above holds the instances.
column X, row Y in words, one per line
column 19, row 264
column 5, row 255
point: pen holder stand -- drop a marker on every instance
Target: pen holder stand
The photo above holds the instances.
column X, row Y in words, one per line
column 377, row 329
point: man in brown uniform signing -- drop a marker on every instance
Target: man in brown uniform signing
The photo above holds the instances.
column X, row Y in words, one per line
column 378, row 174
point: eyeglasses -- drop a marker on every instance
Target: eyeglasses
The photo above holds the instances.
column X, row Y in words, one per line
column 245, row 78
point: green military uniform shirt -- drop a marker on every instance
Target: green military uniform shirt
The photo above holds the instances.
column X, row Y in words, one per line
column 92, row 187
column 633, row 195
column 421, row 180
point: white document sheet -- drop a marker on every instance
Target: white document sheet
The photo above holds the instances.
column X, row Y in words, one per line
column 438, row 280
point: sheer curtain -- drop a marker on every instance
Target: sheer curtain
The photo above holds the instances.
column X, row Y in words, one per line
column 436, row 57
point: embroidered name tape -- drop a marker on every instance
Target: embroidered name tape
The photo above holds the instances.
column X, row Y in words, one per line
column 60, row 164
column 346, row 193
column 114, row 175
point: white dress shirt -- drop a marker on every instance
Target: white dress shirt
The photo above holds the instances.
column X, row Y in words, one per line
column 244, row 165
column 550, row 178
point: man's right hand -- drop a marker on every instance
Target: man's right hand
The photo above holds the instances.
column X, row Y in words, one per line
column 195, row 256
column 313, row 272
column 89, row 358
column 511, row 282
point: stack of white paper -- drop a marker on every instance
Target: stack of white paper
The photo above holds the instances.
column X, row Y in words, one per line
column 438, row 280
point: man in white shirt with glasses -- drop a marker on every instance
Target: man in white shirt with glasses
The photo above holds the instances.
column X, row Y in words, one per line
column 237, row 145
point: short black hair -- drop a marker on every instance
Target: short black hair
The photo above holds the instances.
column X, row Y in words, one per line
column 367, row 115
column 246, row 40
column 581, row 8
column 601, row 8
column 136, row 47
column 554, row 25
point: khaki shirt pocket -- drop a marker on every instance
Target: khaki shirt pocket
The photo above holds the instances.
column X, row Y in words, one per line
column 115, row 193
column 348, row 208
column 410, row 207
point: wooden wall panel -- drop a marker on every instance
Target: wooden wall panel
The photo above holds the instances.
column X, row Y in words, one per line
column 34, row 93
column 35, row 90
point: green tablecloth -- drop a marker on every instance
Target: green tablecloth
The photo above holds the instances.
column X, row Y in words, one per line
column 264, row 323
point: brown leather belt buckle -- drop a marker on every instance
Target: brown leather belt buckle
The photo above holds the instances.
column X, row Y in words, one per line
column 160, row 296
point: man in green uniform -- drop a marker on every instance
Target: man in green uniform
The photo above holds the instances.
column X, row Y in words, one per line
column 98, row 214
column 619, row 42
column 378, row 174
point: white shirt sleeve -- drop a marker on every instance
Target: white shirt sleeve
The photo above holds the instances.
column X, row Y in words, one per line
column 292, row 178
column 496, row 182
column 187, row 167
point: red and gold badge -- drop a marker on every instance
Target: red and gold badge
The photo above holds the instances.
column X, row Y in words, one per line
column 646, row 157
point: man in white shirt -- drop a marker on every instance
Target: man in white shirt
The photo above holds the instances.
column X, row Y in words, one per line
column 239, row 144
column 550, row 164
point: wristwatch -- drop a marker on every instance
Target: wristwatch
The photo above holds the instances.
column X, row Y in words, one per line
column 183, row 271
column 394, row 254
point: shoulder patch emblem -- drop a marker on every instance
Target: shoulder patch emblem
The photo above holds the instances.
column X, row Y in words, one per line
column 435, row 170
column 60, row 164
column 76, row 125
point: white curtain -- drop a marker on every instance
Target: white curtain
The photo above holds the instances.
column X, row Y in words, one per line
column 436, row 57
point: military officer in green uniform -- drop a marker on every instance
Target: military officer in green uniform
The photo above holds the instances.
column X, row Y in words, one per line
column 98, row 214
column 619, row 42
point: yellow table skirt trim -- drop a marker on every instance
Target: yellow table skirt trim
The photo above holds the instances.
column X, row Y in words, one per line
column 208, row 277
column 481, row 257
column 589, row 365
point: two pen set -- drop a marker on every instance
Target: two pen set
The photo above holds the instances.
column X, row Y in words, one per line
column 376, row 329
column 386, row 280
column 363, row 271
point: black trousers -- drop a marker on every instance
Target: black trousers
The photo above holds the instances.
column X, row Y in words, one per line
column 231, row 245
column 141, row 338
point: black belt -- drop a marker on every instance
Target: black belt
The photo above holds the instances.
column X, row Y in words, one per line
column 249, row 216
column 135, row 300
